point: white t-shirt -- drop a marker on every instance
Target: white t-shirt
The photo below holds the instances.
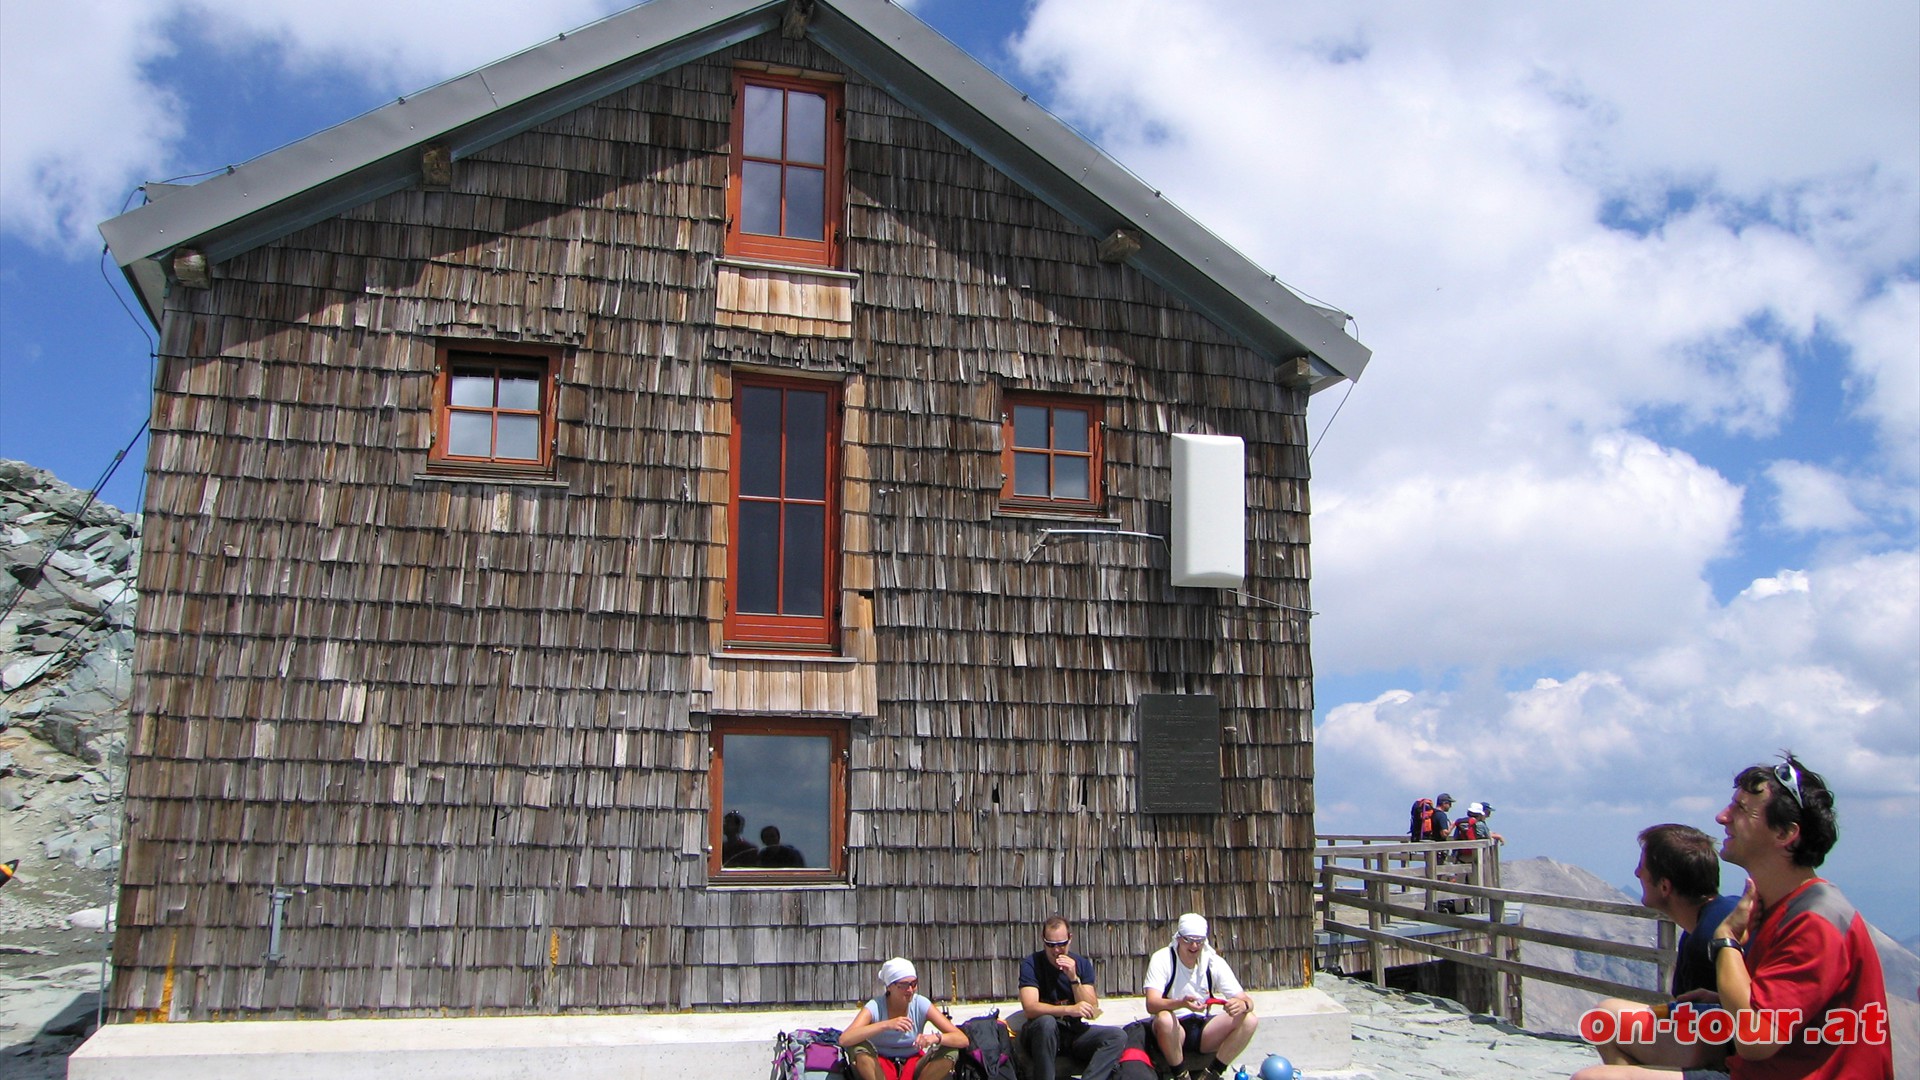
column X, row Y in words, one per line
column 1191, row 981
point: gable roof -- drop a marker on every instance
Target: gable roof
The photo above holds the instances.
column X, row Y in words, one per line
column 377, row 153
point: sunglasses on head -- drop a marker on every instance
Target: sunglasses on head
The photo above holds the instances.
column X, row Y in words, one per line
column 1061, row 944
column 1789, row 778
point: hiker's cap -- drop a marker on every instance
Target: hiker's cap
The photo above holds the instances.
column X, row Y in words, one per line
column 1478, row 808
column 1192, row 925
column 1444, row 797
column 896, row 969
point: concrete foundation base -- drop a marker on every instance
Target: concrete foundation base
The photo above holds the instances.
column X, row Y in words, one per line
column 1307, row 1026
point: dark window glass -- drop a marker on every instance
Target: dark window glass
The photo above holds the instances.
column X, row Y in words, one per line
column 470, row 435
column 1030, row 475
column 762, row 120
column 806, row 204
column 804, row 591
column 806, row 445
column 1030, row 426
column 760, row 441
column 806, row 128
column 1070, row 430
column 760, row 198
column 758, row 587
column 518, row 437
column 780, row 797
column 1070, row 478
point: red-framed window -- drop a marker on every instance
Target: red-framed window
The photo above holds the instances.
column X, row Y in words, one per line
column 493, row 411
column 1050, row 452
column 783, row 549
column 779, row 799
column 785, row 187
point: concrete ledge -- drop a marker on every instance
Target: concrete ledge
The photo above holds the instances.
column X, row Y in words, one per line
column 1306, row 1025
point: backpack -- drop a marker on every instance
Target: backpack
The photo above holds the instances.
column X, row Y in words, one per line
column 1420, row 824
column 989, row 1054
column 808, row 1052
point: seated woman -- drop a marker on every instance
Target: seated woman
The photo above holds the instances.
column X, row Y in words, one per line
column 886, row 1039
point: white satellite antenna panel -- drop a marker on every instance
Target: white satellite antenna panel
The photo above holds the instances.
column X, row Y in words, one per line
column 1209, row 511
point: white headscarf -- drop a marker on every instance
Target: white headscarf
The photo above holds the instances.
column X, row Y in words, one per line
column 1191, row 925
column 896, row 969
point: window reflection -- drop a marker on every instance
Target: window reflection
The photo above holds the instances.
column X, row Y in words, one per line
column 778, row 803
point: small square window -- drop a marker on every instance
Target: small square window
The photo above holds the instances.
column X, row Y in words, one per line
column 493, row 413
column 1051, row 453
column 779, row 800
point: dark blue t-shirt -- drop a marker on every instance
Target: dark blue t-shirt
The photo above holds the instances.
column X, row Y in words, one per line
column 1038, row 972
column 1692, row 967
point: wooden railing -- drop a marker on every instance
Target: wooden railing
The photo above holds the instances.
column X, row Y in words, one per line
column 1387, row 870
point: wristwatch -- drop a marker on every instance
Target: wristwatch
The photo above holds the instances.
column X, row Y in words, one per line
column 1714, row 947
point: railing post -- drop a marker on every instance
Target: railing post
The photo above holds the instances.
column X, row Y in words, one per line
column 1667, row 937
column 1433, row 874
column 1376, row 954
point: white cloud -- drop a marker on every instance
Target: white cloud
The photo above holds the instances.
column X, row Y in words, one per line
column 81, row 122
column 1825, row 661
column 86, row 121
column 1515, row 565
column 1812, row 499
column 1885, row 334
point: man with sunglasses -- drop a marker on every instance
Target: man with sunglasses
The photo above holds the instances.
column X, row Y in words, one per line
column 1059, row 1003
column 1794, row 961
column 1188, row 977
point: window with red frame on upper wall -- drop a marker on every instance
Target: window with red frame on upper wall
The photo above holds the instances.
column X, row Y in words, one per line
column 784, row 190
column 1050, row 449
column 783, row 547
column 493, row 412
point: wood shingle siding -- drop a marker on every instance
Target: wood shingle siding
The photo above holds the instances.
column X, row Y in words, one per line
column 463, row 723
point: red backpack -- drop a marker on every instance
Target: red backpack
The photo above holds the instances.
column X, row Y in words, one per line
column 1420, row 825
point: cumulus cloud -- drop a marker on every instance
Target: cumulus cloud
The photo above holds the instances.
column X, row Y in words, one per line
column 70, row 158
column 1825, row 660
column 1519, row 564
column 1812, row 499
column 87, row 120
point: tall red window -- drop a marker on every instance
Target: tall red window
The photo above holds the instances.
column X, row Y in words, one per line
column 1050, row 452
column 493, row 412
column 784, row 545
column 784, row 193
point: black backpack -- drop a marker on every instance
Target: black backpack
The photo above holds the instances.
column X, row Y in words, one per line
column 989, row 1053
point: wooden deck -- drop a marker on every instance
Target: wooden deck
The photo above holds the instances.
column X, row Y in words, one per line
column 1425, row 902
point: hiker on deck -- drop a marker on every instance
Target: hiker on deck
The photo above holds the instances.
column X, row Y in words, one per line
column 1474, row 826
column 887, row 1039
column 1059, row 1002
column 1680, row 878
column 1189, row 977
column 1442, row 816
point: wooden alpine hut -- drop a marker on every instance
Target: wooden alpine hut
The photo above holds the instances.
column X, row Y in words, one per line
column 681, row 514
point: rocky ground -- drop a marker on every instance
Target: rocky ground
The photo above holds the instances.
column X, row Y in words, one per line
column 66, row 650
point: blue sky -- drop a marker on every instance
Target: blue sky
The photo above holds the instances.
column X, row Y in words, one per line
column 1630, row 496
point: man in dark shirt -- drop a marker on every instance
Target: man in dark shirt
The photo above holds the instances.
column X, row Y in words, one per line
column 1059, row 1002
column 1679, row 877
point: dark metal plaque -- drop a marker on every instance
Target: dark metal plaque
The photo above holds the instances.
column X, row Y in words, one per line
column 1179, row 753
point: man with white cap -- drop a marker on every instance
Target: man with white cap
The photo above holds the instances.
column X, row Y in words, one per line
column 887, row 1040
column 1189, row 978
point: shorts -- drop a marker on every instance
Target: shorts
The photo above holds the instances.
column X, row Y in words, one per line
column 902, row 1068
column 1194, row 1024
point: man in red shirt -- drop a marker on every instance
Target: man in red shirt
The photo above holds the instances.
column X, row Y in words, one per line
column 1796, row 967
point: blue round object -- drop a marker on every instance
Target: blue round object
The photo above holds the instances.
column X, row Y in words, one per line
column 1276, row 1068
